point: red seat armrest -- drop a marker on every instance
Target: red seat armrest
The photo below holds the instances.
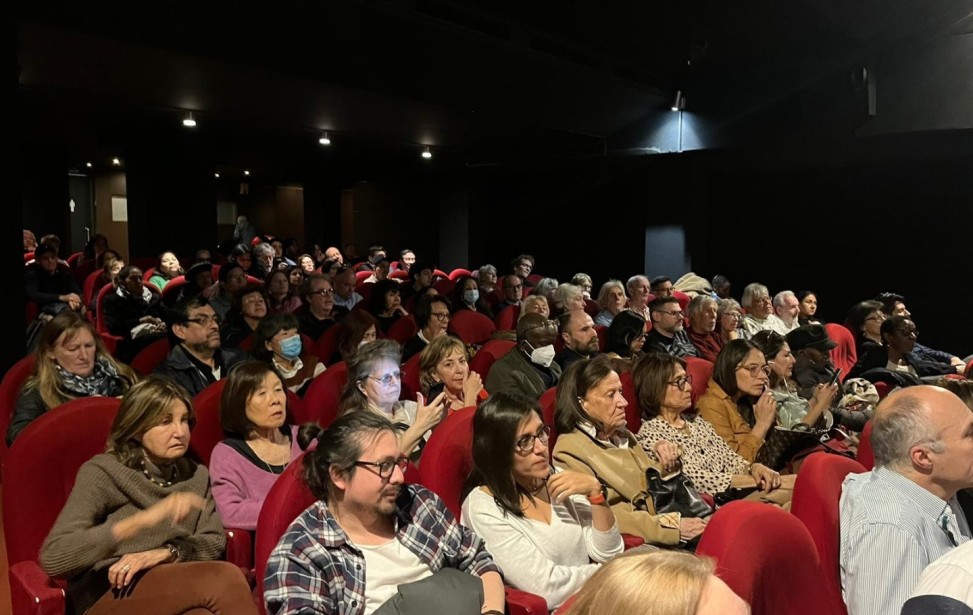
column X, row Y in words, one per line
column 32, row 592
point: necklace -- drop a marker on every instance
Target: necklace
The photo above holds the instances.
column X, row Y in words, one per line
column 157, row 481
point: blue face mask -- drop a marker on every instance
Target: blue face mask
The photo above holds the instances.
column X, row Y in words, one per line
column 471, row 296
column 290, row 347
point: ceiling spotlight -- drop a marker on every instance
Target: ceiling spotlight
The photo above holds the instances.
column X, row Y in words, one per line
column 189, row 121
column 116, row 162
column 426, row 153
column 325, row 140
column 216, row 175
column 247, row 173
column 678, row 102
column 87, row 164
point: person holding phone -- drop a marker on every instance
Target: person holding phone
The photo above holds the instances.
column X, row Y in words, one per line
column 375, row 384
column 444, row 367
column 792, row 409
column 548, row 530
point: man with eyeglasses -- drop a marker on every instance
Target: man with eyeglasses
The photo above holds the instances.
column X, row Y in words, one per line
column 668, row 334
column 579, row 336
column 319, row 311
column 521, row 266
column 512, row 288
column 369, row 536
column 529, row 368
column 760, row 311
column 197, row 358
column 432, row 318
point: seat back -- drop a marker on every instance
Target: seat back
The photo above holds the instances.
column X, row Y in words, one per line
column 768, row 558
column 147, row 274
column 324, row 393
column 172, row 288
column 326, row 344
column 149, row 357
column 110, row 341
column 410, row 378
column 591, row 307
column 548, row 403
column 459, row 272
column 506, row 318
column 286, row 500
column 487, row 355
column 701, row 370
column 633, row 416
column 472, row 327
column 844, row 356
column 444, row 286
column 92, row 284
column 448, row 458
column 208, row 431
column 403, row 329
column 41, row 466
column 865, row 455
column 10, row 386
column 602, row 337
column 815, row 503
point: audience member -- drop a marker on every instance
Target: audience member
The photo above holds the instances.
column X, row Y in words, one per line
column 611, row 300
column 385, row 304
column 521, row 266
column 592, row 440
column 787, row 307
column 703, row 318
column 529, row 368
column 243, row 232
column 668, row 334
column 167, row 269
column 70, row 361
column 865, row 320
column 568, row 297
column 669, row 583
column 487, row 279
column 258, row 443
column 729, row 315
column 513, row 292
column 380, row 272
column 375, row 384
column 547, row 529
column 678, row 440
column 661, row 286
column 579, row 336
column 760, row 312
column 432, row 318
column 792, row 409
column 466, row 296
column 318, row 313
column 109, row 273
column 535, row 304
column 893, row 304
column 584, row 281
column 132, row 312
column 944, row 585
column 278, row 343
column 738, row 402
column 625, row 337
column 197, row 358
column 295, row 277
column 139, row 505
column 232, row 278
column 306, row 262
column 30, row 241
column 281, row 298
column 406, row 533
column 445, row 362
column 51, row 287
column 721, row 287
column 903, row 514
column 334, row 254
column 638, row 296
column 357, row 328
column 263, row 260
column 199, row 277
column 407, row 258
column 808, row 308
column 421, row 275
column 344, row 281
column 895, row 354
column 248, row 309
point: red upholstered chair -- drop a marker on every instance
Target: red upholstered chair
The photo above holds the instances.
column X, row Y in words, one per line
column 28, row 256
column 816, row 495
column 844, row 356
column 362, row 275
column 444, row 285
column 865, row 455
column 208, row 432
column 110, row 341
column 701, row 370
column 324, row 393
column 457, row 273
column 682, row 298
column 246, row 343
column 602, row 336
column 768, row 558
column 91, row 285
column 548, row 403
column 171, row 291
column 488, row 354
column 534, row 278
column 9, row 390
column 149, row 357
column 38, row 477
column 633, row 416
column 400, row 275
column 410, row 378
column 472, row 327
column 403, row 329
column 506, row 318
column 326, row 344
column 147, row 274
column 591, row 307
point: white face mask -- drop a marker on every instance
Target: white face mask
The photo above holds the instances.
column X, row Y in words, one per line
column 543, row 356
column 471, row 296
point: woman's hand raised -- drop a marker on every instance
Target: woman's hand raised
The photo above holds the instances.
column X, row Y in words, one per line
column 171, row 510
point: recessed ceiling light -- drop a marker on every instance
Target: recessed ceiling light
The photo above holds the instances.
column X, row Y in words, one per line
column 216, row 175
column 116, row 162
column 325, row 139
column 426, row 153
column 247, row 173
column 87, row 164
column 189, row 121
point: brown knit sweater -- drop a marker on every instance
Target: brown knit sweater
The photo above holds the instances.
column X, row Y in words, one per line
column 106, row 492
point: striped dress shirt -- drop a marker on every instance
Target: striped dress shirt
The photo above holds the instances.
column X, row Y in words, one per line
column 891, row 529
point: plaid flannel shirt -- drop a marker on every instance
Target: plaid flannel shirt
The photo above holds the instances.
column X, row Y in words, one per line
column 315, row 569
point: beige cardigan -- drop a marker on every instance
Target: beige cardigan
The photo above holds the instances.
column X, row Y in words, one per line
column 622, row 471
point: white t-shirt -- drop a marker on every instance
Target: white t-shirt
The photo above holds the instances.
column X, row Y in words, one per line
column 386, row 567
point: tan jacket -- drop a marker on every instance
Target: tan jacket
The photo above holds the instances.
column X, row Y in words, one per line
column 721, row 412
column 622, row 471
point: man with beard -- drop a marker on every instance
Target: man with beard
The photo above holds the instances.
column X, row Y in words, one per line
column 369, row 533
column 579, row 336
column 702, row 327
column 668, row 334
column 197, row 359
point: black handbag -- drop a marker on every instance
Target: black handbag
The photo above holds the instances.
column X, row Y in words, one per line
column 675, row 493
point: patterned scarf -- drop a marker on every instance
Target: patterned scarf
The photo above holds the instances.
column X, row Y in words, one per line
column 103, row 381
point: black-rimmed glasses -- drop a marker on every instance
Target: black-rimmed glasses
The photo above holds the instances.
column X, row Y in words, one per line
column 323, row 292
column 681, row 382
column 443, row 317
column 385, row 468
column 526, row 443
column 204, row 321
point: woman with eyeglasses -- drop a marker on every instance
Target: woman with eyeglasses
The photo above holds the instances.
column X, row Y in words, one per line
column 899, row 336
column 625, row 336
column 792, row 409
column 679, row 440
column 738, row 402
column 432, row 317
column 548, row 529
column 729, row 315
column 593, row 440
column 865, row 320
column 375, row 384
column 385, row 304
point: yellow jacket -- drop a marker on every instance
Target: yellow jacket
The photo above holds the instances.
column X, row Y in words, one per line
column 721, row 412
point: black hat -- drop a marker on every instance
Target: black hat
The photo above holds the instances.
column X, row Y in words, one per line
column 810, row 336
column 198, row 268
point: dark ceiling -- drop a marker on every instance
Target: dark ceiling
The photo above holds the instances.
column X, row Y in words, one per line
column 480, row 81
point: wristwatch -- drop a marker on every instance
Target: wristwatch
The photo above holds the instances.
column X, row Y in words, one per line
column 173, row 551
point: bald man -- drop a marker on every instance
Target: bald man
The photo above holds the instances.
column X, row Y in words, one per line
column 529, row 368
column 902, row 515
